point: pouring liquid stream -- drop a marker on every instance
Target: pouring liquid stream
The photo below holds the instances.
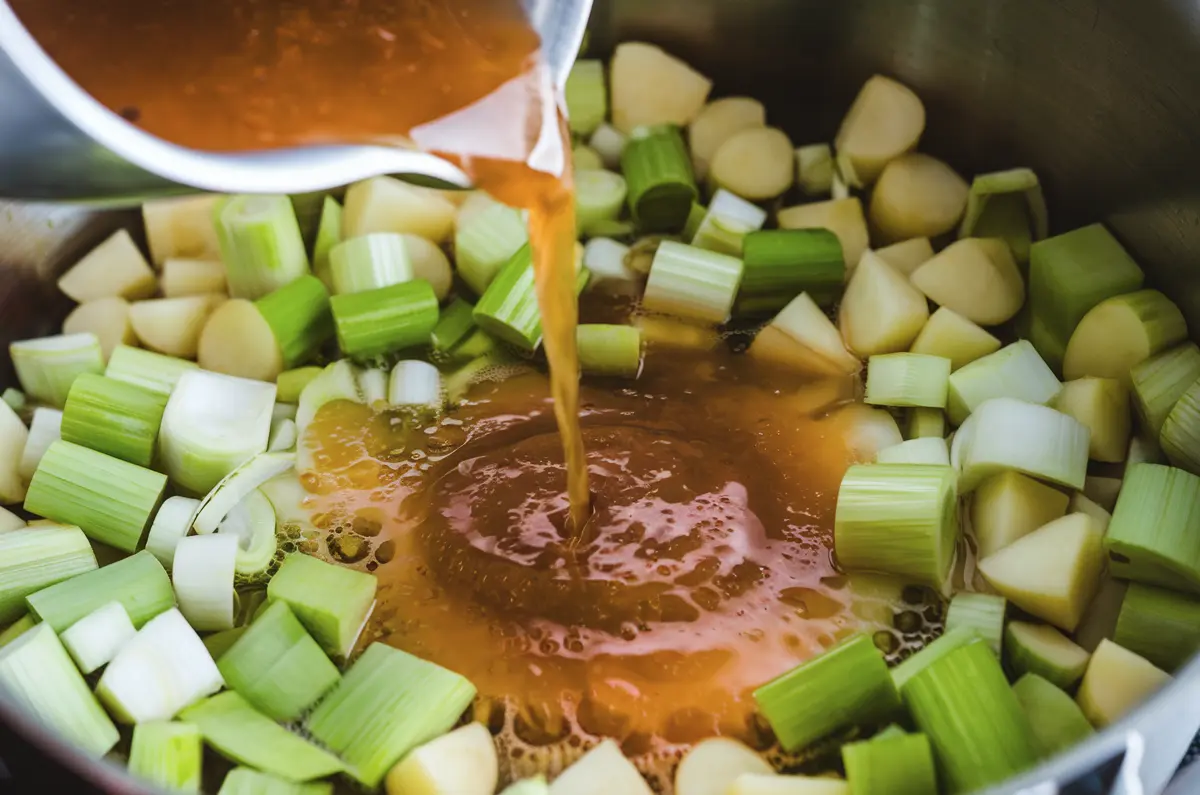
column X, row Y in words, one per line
column 460, row 78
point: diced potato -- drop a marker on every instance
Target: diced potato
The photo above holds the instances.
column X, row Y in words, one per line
column 757, row 784
column 815, row 169
column 604, row 770
column 1102, row 404
column 668, row 332
column 1116, row 681
column 113, row 269
column 237, row 340
column 801, row 336
column 843, row 217
column 182, row 277
column 951, row 335
column 172, row 325
column 430, row 263
column 1119, row 332
column 977, row 278
column 386, row 204
column 881, row 312
column 917, row 196
column 1053, row 572
column 713, row 764
column 885, row 121
column 181, row 227
column 868, row 430
column 718, row 121
column 649, row 86
column 755, row 164
column 13, row 435
column 107, row 318
column 1081, row 503
column 907, row 255
column 1009, row 506
column 463, row 762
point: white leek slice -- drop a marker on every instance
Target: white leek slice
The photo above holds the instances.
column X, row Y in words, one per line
column 164, row 668
column 237, row 485
column 283, row 435
column 44, row 430
column 171, row 524
column 815, row 169
column 252, row 522
column 604, row 770
column 1015, row 371
column 463, row 762
column 728, row 220
column 930, row 450
column 976, row 277
column 13, row 437
column 415, row 383
column 10, row 521
column 609, row 143
column 712, row 765
column 880, row 312
column 605, row 260
column 337, row 382
column 373, row 383
column 755, row 784
column 287, row 495
column 212, row 424
column 203, row 577
column 96, row 638
column 1005, row 433
column 1081, row 503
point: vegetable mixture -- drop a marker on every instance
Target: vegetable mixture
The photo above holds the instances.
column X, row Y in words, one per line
column 1050, row 403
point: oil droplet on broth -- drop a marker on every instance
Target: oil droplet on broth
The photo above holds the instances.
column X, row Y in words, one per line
column 708, row 572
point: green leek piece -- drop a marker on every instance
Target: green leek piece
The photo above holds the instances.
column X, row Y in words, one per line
column 138, row 582
column 893, row 765
column 38, row 675
column 609, row 350
column 17, row 629
column 926, row 423
column 387, row 704
column 277, row 666
column 848, row 684
column 695, row 218
column 48, row 366
column 726, row 223
column 1008, row 506
column 692, row 283
column 1004, row 433
column 658, row 170
column 599, row 199
column 916, row 451
column 586, row 95
column 290, row 383
column 370, row 262
column 1009, row 205
column 218, row 643
column 114, row 417
column 1101, row 404
column 1056, row 720
column 332, row 602
column 486, row 242
column 1180, row 436
column 477, row 343
column 252, row 520
column 508, row 309
column 239, row 732
column 1152, row 537
column 147, row 369
column 1015, row 371
column 95, row 639
column 951, row 335
column 244, row 781
column 1043, row 650
column 1120, row 332
column 585, row 158
column 1068, row 275
column 1160, row 381
column 1116, row 681
column 110, row 499
column 945, row 643
column 34, row 558
column 300, row 318
column 1162, row 626
column 982, row 612
column 907, row 379
column 261, row 244
column 168, row 755
column 979, row 733
column 782, row 263
column 45, row 428
column 389, row 319
column 15, row 399
column 329, row 234
column 454, row 325
column 898, row 519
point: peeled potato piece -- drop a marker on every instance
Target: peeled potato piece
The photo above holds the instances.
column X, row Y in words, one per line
column 1119, row 332
column 462, row 762
column 716, row 123
column 885, row 121
column 1116, row 681
column 181, row 227
column 880, row 312
column 386, row 204
column 114, row 268
column 649, row 86
column 917, row 196
column 908, row 255
column 869, row 430
column 757, row 784
column 755, row 164
column 107, row 318
column 802, row 336
column 713, row 764
column 975, row 277
column 237, row 340
column 430, row 263
column 604, row 770
column 192, row 277
column 172, row 325
column 843, row 217
column 951, row 335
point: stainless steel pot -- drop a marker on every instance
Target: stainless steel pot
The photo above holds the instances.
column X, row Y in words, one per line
column 1101, row 97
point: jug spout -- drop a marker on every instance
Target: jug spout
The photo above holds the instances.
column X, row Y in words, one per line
column 58, row 143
